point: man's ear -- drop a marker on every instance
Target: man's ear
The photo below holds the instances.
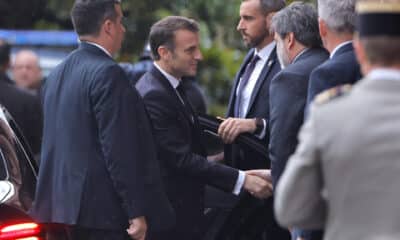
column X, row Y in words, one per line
column 107, row 27
column 290, row 40
column 163, row 51
column 322, row 27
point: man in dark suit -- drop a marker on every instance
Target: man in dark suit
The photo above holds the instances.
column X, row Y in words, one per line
column 336, row 27
column 23, row 106
column 299, row 52
column 98, row 172
column 248, row 109
column 175, row 47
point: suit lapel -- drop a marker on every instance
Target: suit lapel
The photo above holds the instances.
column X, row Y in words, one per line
column 171, row 91
column 236, row 82
column 262, row 78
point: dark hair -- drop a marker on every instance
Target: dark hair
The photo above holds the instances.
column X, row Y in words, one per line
column 302, row 20
column 268, row 6
column 163, row 32
column 5, row 49
column 88, row 15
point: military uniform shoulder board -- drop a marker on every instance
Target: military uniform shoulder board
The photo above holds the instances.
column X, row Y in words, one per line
column 332, row 93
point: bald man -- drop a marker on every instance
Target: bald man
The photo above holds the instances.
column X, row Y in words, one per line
column 26, row 71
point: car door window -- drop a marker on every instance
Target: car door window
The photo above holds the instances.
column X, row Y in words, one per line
column 17, row 166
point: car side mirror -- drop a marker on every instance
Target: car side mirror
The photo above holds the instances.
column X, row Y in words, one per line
column 7, row 191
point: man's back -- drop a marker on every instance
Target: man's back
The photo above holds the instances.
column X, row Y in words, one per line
column 364, row 152
column 342, row 68
column 287, row 102
column 88, row 105
column 346, row 177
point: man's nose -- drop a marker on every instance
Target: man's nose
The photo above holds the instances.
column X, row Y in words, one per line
column 239, row 25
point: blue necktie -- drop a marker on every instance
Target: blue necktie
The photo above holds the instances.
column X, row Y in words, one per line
column 243, row 82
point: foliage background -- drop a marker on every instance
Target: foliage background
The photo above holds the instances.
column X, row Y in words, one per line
column 221, row 44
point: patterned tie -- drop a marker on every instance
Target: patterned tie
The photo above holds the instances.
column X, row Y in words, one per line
column 243, row 82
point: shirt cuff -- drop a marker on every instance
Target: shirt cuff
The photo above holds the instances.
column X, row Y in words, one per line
column 239, row 182
column 264, row 130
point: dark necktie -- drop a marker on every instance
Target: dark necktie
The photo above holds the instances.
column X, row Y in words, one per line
column 185, row 101
column 243, row 82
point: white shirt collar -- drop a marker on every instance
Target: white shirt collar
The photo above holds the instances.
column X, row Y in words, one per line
column 338, row 47
column 171, row 79
column 265, row 51
column 99, row 46
column 384, row 73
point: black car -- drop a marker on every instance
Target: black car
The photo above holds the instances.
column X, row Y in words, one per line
column 18, row 173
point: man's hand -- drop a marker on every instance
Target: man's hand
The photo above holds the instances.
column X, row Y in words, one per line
column 137, row 228
column 257, row 186
column 262, row 173
column 232, row 127
column 219, row 157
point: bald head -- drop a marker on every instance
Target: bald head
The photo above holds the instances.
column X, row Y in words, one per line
column 26, row 70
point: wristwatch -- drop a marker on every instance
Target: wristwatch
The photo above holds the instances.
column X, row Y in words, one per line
column 259, row 126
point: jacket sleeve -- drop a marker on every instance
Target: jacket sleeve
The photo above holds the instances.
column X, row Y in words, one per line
column 174, row 139
column 298, row 196
column 288, row 96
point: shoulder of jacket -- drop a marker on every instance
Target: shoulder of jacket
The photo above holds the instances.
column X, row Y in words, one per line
column 332, row 93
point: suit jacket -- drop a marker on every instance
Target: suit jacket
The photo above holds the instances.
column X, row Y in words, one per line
column 342, row 68
column 98, row 167
column 343, row 178
column 185, row 169
column 235, row 155
column 25, row 108
column 288, row 96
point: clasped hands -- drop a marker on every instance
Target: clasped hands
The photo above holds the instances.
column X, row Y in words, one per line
column 258, row 183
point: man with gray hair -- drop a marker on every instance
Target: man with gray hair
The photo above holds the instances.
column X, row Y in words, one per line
column 299, row 52
column 336, row 26
column 26, row 71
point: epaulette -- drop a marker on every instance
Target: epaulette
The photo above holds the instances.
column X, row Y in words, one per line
column 332, row 93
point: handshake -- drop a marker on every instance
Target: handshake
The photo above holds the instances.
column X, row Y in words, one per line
column 258, row 183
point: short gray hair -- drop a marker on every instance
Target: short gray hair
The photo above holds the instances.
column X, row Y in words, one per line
column 302, row 20
column 339, row 15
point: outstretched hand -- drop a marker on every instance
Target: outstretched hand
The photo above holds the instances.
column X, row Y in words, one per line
column 137, row 228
